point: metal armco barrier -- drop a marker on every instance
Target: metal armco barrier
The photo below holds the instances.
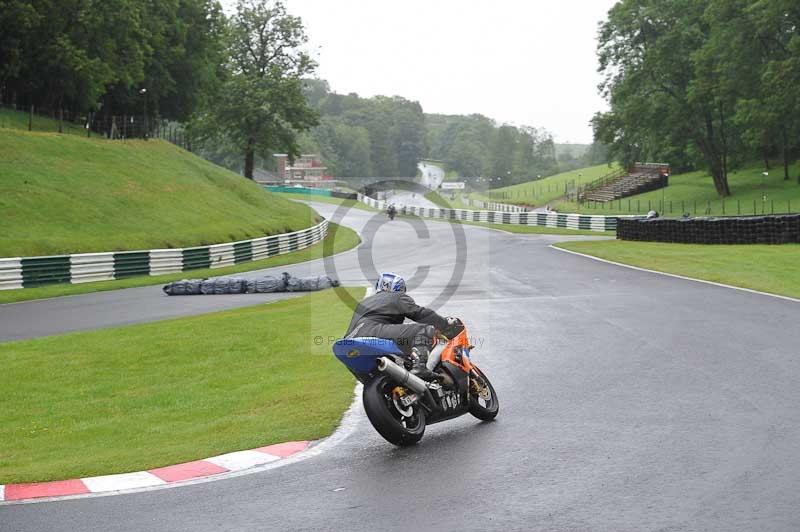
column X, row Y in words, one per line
column 777, row 229
column 550, row 219
column 25, row 272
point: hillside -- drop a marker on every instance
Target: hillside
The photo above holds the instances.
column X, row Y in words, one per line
column 693, row 192
column 68, row 194
column 543, row 191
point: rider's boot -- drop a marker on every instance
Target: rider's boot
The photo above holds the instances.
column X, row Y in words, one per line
column 419, row 357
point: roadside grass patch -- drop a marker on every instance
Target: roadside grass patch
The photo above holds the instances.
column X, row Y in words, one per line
column 143, row 396
column 538, row 229
column 693, row 192
column 323, row 199
column 11, row 119
column 339, row 237
column 62, row 194
column 435, row 198
column 543, row 191
column 768, row 268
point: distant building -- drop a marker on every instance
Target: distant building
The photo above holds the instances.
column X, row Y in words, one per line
column 307, row 169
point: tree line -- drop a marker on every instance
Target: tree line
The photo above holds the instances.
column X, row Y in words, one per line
column 242, row 87
column 387, row 136
column 232, row 80
column 111, row 56
column 705, row 84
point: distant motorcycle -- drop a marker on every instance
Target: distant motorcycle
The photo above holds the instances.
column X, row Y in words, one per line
column 400, row 404
column 392, row 212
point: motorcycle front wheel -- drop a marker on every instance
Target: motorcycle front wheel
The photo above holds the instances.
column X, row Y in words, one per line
column 398, row 425
column 483, row 402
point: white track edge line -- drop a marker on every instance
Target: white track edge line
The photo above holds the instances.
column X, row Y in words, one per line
column 787, row 298
column 346, row 427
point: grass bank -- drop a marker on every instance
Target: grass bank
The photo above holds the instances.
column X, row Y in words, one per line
column 350, row 204
column 766, row 268
column 546, row 190
column 64, row 194
column 693, row 192
column 339, row 239
column 438, row 200
column 539, row 230
column 10, row 119
column 143, row 396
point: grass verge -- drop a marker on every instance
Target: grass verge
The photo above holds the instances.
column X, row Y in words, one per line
column 693, row 192
column 340, row 237
column 548, row 189
column 539, row 230
column 11, row 119
column 351, row 204
column 435, row 198
column 766, row 268
column 150, row 395
column 63, row 194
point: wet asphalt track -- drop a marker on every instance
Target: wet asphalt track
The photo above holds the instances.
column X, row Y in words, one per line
column 629, row 401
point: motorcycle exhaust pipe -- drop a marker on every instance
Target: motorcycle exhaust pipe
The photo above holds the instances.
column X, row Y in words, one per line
column 402, row 376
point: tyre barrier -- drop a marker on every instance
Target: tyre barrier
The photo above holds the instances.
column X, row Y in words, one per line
column 26, row 272
column 265, row 284
column 543, row 219
column 773, row 229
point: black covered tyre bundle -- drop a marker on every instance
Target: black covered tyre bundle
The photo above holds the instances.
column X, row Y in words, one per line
column 260, row 285
column 184, row 287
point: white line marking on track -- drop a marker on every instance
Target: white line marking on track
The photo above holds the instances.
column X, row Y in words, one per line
column 788, row 298
column 123, row 481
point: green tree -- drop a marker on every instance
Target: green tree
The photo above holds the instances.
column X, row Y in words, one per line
column 261, row 106
column 661, row 86
column 776, row 102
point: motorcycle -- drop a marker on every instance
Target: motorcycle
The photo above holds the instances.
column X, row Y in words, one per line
column 400, row 404
column 391, row 212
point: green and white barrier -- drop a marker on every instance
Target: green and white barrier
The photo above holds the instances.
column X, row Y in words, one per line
column 549, row 219
column 299, row 190
column 24, row 272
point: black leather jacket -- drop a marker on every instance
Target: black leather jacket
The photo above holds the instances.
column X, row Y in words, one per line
column 394, row 308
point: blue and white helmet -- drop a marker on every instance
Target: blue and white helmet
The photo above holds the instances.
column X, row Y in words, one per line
column 390, row 282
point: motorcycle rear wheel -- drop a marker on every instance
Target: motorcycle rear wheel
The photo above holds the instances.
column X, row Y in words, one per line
column 484, row 407
column 390, row 423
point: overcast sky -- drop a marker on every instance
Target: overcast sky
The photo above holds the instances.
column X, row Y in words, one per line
column 525, row 62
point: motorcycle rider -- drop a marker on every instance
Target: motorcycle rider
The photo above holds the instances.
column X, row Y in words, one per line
column 391, row 211
column 382, row 314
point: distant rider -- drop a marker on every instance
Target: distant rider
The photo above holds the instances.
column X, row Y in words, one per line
column 391, row 211
column 382, row 314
